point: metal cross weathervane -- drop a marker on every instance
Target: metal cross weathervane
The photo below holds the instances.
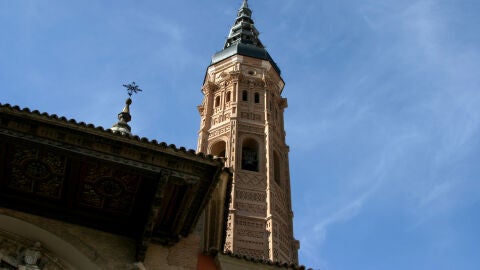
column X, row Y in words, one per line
column 132, row 88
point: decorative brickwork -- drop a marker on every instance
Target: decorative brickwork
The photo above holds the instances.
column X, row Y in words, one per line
column 243, row 108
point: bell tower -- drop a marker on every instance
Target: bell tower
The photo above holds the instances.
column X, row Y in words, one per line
column 242, row 121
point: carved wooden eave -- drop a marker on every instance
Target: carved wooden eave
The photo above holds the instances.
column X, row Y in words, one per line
column 86, row 175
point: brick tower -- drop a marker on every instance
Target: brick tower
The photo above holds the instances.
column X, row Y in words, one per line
column 242, row 121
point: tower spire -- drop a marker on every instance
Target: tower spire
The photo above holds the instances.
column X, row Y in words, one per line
column 243, row 30
column 242, row 121
column 243, row 39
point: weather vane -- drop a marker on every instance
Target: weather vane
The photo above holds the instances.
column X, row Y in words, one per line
column 132, row 88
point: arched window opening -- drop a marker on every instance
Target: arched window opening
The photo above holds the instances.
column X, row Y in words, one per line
column 218, row 149
column 276, row 168
column 250, row 155
column 228, row 97
column 245, row 95
column 217, row 101
column 257, row 97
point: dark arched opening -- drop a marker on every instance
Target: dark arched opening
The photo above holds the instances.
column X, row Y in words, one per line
column 245, row 95
column 250, row 155
column 218, row 149
column 228, row 96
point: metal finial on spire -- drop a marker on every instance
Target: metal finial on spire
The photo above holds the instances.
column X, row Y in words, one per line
column 132, row 88
column 124, row 117
column 245, row 4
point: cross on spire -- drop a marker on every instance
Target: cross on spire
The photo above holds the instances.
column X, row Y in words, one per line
column 132, row 88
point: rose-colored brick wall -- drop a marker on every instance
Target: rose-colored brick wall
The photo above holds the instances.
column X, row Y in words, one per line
column 183, row 256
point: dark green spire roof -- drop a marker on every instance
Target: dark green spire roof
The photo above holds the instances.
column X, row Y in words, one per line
column 243, row 39
column 243, row 31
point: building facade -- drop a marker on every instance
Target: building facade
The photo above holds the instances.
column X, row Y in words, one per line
column 77, row 196
column 242, row 121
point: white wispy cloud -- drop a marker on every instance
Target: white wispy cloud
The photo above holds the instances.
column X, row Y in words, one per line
column 373, row 178
column 453, row 109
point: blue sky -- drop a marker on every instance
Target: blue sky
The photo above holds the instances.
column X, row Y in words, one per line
column 383, row 119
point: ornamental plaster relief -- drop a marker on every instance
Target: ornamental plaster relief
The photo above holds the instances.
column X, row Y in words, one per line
column 220, row 119
column 22, row 254
column 219, row 131
column 227, row 76
column 209, row 87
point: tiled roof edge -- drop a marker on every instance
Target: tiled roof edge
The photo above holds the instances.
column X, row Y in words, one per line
column 266, row 261
column 62, row 119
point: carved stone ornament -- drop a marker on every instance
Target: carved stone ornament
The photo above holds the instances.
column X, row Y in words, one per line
column 209, row 87
column 32, row 256
column 17, row 253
